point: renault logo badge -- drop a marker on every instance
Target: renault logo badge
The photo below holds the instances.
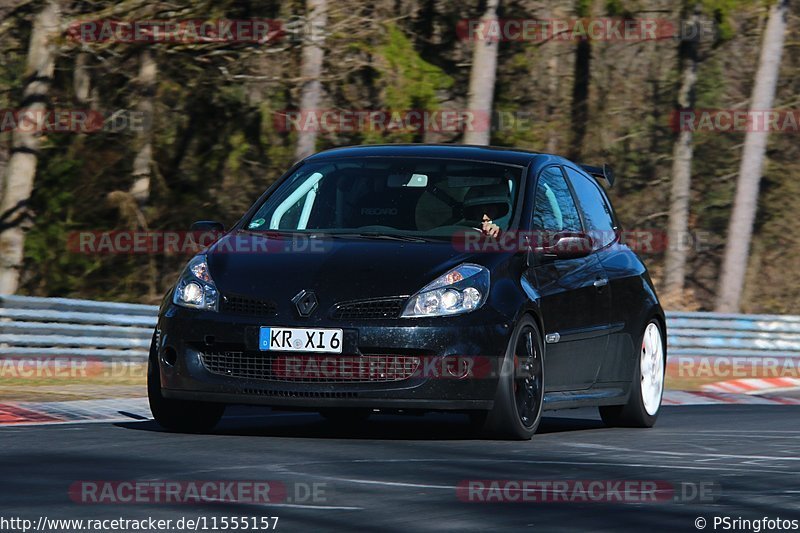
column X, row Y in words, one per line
column 305, row 302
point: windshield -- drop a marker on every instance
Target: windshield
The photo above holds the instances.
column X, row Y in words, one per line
column 423, row 197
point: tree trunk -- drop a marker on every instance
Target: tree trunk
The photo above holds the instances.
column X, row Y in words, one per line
column 310, row 71
column 682, row 153
column 740, row 229
column 580, row 87
column 21, row 167
column 82, row 81
column 481, row 82
column 4, row 155
column 552, row 104
column 142, row 165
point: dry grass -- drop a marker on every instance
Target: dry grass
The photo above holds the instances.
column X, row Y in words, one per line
column 106, row 381
column 685, row 300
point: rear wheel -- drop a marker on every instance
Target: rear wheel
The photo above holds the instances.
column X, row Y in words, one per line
column 520, row 389
column 182, row 416
column 647, row 387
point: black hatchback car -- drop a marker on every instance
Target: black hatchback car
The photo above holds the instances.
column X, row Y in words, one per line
column 412, row 278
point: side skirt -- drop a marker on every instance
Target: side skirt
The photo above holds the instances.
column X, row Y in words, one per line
column 609, row 394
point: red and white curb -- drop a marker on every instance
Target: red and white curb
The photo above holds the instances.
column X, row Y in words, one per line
column 674, row 397
column 754, row 385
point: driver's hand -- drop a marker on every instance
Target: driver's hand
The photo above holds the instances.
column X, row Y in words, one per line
column 491, row 229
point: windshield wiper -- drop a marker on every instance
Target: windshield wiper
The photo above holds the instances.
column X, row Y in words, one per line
column 387, row 236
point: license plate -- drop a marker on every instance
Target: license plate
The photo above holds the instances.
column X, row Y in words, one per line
column 300, row 340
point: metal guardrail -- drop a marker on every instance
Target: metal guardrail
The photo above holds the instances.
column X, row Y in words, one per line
column 41, row 327
column 729, row 335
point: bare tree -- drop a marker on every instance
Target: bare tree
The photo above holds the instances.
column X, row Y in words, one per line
column 311, row 72
column 682, row 154
column 21, row 167
column 580, row 86
column 552, row 90
column 3, row 164
column 142, row 164
column 82, row 80
column 482, row 78
column 740, row 228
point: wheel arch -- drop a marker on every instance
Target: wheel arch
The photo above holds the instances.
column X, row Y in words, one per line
column 535, row 313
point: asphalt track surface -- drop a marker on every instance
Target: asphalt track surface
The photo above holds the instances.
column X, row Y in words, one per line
column 400, row 473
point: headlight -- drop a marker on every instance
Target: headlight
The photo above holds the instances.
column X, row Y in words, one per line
column 461, row 290
column 195, row 287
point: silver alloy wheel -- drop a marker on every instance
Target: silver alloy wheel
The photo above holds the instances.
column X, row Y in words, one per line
column 652, row 368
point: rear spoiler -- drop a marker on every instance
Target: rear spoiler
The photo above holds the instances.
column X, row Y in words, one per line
column 605, row 173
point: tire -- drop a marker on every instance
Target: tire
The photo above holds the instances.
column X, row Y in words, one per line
column 647, row 387
column 346, row 416
column 519, row 398
column 182, row 416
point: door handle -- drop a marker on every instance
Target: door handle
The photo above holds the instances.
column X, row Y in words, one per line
column 600, row 283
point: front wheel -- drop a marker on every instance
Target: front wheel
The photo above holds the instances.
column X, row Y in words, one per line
column 520, row 389
column 647, row 387
column 182, row 416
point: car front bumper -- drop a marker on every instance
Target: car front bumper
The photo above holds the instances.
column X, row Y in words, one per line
column 185, row 336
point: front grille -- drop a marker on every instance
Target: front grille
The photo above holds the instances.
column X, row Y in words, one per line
column 312, row 368
column 300, row 394
column 242, row 305
column 369, row 309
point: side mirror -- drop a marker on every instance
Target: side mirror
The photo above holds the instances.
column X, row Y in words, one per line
column 566, row 246
column 208, row 225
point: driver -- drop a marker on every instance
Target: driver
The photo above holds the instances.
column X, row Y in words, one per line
column 485, row 205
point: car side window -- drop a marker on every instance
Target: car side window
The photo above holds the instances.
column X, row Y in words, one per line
column 596, row 212
column 554, row 209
